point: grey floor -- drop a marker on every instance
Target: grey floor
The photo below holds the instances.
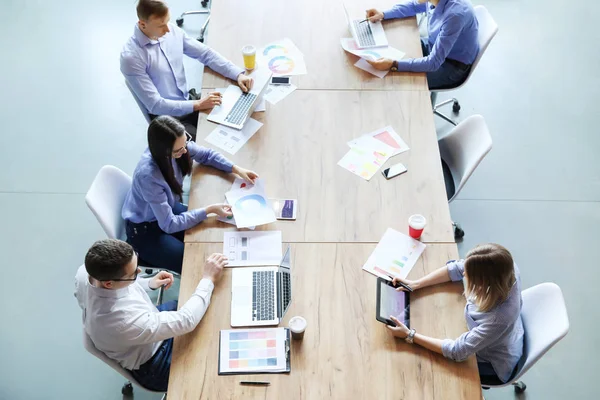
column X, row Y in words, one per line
column 66, row 112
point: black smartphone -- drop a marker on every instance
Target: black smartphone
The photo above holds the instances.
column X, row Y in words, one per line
column 394, row 170
column 280, row 80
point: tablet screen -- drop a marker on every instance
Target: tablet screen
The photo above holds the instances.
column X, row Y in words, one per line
column 393, row 303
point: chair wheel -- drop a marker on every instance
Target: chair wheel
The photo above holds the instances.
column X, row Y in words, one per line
column 179, row 21
column 458, row 231
column 520, row 387
column 456, row 107
column 204, row 3
column 127, row 389
column 201, row 39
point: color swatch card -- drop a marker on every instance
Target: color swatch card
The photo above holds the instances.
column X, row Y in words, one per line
column 282, row 58
column 244, row 249
column 250, row 205
column 395, row 255
column 387, row 136
column 246, row 351
column 366, row 156
column 230, row 139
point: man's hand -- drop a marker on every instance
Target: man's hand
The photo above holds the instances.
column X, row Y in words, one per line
column 160, row 279
column 400, row 330
column 222, row 210
column 208, row 102
column 214, row 266
column 245, row 174
column 414, row 285
column 245, row 82
column 382, row 64
column 374, row 15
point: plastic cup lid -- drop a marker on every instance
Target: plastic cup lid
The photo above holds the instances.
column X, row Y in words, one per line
column 297, row 323
column 249, row 49
column 417, row 221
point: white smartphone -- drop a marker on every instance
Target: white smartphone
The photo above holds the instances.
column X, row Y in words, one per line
column 394, row 170
column 280, row 80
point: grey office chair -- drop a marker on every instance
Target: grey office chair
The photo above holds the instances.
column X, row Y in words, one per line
column 487, row 30
column 199, row 12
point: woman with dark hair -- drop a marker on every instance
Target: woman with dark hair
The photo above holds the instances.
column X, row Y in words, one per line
column 156, row 219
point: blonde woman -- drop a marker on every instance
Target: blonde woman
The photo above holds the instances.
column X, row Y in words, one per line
column 493, row 312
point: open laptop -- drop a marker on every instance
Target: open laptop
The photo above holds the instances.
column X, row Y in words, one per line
column 261, row 295
column 237, row 106
column 366, row 34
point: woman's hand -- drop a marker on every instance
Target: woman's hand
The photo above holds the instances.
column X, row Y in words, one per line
column 382, row 64
column 160, row 279
column 414, row 285
column 245, row 174
column 400, row 330
column 222, row 210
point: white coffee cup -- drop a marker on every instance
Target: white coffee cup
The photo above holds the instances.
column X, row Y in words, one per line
column 297, row 326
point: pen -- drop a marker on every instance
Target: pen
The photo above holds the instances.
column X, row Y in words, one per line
column 255, row 383
column 404, row 285
column 364, row 20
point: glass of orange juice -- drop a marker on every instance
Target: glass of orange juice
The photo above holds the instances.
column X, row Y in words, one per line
column 249, row 53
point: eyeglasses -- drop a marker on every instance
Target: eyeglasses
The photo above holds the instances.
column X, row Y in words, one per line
column 178, row 152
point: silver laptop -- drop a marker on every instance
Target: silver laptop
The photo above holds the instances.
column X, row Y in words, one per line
column 261, row 295
column 237, row 106
column 366, row 34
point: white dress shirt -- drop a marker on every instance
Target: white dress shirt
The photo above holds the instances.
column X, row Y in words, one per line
column 124, row 323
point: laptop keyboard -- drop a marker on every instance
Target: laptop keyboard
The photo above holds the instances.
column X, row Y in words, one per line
column 240, row 109
column 263, row 300
column 364, row 33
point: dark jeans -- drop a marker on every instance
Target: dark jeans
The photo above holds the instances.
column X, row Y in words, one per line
column 450, row 74
column 160, row 249
column 154, row 373
column 190, row 121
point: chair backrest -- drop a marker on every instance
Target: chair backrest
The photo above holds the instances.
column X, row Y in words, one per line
column 487, row 30
column 106, row 197
column 139, row 103
column 91, row 348
column 463, row 149
column 545, row 322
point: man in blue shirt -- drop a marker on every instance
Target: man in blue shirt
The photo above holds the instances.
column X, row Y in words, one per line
column 451, row 48
column 152, row 63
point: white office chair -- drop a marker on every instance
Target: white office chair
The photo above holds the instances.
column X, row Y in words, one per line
column 487, row 30
column 139, row 103
column 545, row 322
column 127, row 389
column 461, row 151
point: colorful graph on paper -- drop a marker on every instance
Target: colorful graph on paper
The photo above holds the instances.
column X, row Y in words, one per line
column 395, row 255
column 252, row 350
column 282, row 58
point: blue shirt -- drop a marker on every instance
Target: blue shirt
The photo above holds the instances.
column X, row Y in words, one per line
column 496, row 336
column 151, row 199
column 154, row 69
column 452, row 31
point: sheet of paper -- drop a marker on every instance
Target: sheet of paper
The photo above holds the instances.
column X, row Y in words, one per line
column 395, row 255
column 282, row 57
column 365, row 66
column 276, row 93
column 231, row 220
column 231, row 140
column 252, row 350
column 386, row 135
column 250, row 205
column 366, row 156
column 244, row 249
column 349, row 45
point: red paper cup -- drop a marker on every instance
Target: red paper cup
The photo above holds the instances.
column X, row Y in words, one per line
column 416, row 224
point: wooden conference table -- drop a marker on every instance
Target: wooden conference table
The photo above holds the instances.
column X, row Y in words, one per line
column 346, row 353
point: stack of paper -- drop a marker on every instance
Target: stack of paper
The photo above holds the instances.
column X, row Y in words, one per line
column 244, row 249
column 253, row 351
column 395, row 255
column 230, row 139
column 370, row 151
column 349, row 45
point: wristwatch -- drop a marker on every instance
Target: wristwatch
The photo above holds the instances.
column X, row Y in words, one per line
column 394, row 66
column 411, row 336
